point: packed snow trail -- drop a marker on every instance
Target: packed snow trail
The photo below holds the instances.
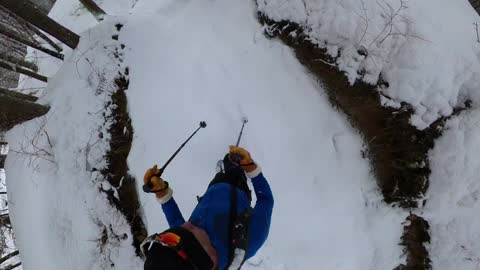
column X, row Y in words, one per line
column 208, row 60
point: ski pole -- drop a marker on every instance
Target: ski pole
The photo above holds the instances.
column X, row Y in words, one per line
column 236, row 157
column 202, row 125
column 244, row 120
column 147, row 187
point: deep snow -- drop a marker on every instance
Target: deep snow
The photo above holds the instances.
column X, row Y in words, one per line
column 454, row 196
column 230, row 70
column 56, row 206
column 208, row 60
column 307, row 149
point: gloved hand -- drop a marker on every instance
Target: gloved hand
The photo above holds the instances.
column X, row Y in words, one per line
column 154, row 182
column 242, row 157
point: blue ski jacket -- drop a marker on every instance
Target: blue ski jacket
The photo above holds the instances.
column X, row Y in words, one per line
column 212, row 215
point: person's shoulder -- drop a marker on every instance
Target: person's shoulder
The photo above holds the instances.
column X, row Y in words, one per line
column 219, row 187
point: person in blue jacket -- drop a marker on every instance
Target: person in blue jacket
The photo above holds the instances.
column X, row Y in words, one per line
column 206, row 241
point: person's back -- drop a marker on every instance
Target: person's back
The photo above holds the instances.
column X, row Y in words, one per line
column 211, row 221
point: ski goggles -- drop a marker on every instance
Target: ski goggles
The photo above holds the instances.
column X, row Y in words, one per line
column 167, row 239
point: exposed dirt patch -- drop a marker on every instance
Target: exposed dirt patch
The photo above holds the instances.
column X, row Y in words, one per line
column 117, row 171
column 415, row 236
column 397, row 151
column 121, row 131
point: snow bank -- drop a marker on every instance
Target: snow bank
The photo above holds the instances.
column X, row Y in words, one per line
column 454, row 196
column 426, row 50
column 58, row 212
column 209, row 60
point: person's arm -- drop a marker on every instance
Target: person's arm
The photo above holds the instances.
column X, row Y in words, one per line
column 170, row 209
column 262, row 213
column 155, row 184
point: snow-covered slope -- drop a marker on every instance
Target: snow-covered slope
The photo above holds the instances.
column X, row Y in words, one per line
column 192, row 61
column 454, row 196
column 60, row 216
column 427, row 50
column 208, row 60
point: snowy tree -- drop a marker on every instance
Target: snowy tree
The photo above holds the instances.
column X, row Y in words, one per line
column 33, row 15
column 18, row 35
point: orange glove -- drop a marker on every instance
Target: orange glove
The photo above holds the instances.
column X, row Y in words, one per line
column 242, row 156
column 154, row 182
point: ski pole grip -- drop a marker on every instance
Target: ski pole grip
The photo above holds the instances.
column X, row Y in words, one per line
column 236, row 158
column 147, row 188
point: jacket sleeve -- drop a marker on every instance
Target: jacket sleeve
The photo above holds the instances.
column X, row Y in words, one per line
column 262, row 215
column 172, row 213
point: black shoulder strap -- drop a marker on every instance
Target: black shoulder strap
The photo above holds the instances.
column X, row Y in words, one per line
column 231, row 224
column 238, row 227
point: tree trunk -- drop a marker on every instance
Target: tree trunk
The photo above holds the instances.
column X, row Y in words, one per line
column 96, row 11
column 3, row 158
column 46, row 38
column 9, row 256
column 4, row 31
column 12, row 266
column 14, row 111
column 32, row 14
column 15, row 68
column 34, row 29
column 19, row 62
column 16, row 94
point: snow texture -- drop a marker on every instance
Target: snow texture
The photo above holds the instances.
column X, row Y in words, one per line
column 57, row 208
column 209, row 60
column 426, row 50
column 454, row 196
